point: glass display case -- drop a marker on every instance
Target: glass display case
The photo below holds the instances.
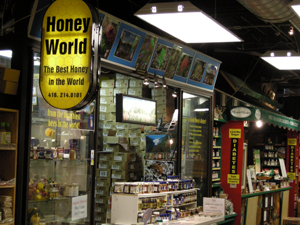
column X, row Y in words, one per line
column 195, row 141
column 60, row 174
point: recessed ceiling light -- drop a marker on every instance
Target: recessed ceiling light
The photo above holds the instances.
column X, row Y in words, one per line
column 283, row 60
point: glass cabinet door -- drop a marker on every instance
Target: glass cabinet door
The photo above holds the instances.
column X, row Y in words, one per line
column 195, row 141
column 60, row 173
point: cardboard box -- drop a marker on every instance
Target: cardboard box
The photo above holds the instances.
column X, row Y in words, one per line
column 106, row 91
column 8, row 74
column 158, row 92
column 103, row 182
column 107, row 108
column 101, row 208
column 120, row 91
column 122, row 126
column 121, row 76
column 161, row 109
column 100, row 217
column 107, row 116
column 105, row 156
column 125, row 157
column 103, row 200
column 135, row 141
column 122, row 133
column 116, row 140
column 115, row 165
column 135, row 83
column 121, row 83
column 106, row 100
column 122, row 174
column 106, row 132
column 113, row 181
column 7, row 87
column 107, row 83
column 108, row 125
column 161, row 100
column 134, row 133
column 137, row 91
column 114, row 148
column 291, row 221
column 104, row 173
column 105, row 165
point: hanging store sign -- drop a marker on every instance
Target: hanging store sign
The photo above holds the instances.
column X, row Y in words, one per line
column 70, row 37
column 233, row 177
column 292, row 142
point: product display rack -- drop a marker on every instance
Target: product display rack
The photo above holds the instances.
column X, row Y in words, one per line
column 8, row 157
column 269, row 155
column 125, row 206
column 217, row 152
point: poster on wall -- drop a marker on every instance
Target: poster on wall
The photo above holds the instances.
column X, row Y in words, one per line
column 127, row 45
column 198, row 70
column 184, row 65
column 161, row 57
column 158, row 169
column 210, row 74
column 174, row 60
column 110, row 29
column 145, row 53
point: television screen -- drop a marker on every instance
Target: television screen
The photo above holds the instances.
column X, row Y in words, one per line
column 132, row 109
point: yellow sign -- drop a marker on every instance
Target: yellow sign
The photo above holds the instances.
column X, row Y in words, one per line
column 292, row 141
column 233, row 178
column 292, row 176
column 66, row 53
column 234, row 133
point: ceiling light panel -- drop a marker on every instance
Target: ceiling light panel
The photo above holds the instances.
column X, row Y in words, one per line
column 283, row 60
column 186, row 22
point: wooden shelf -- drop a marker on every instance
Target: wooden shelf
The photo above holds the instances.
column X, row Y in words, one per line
column 8, row 156
column 217, row 147
column 216, row 179
column 217, row 157
column 216, row 168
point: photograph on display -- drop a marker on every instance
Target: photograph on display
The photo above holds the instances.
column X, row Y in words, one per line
column 127, row 45
column 172, row 65
column 210, row 74
column 184, row 65
column 109, row 32
column 161, row 57
column 158, row 169
column 198, row 70
column 145, row 52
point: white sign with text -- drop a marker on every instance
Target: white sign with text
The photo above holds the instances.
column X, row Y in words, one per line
column 215, row 205
column 79, row 207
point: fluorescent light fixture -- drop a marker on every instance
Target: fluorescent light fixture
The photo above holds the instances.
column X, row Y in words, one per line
column 187, row 95
column 201, row 110
column 6, row 53
column 295, row 5
column 186, row 22
column 283, row 60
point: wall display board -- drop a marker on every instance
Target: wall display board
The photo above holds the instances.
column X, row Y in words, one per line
column 184, row 65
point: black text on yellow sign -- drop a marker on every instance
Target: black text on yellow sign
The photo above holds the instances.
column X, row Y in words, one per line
column 66, row 53
column 235, row 133
column 234, row 156
column 233, row 178
column 292, row 158
column 292, row 141
column 291, row 176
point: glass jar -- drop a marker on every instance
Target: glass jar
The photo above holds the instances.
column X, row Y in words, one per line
column 60, row 152
column 133, row 188
column 72, row 154
column 118, row 187
column 126, row 188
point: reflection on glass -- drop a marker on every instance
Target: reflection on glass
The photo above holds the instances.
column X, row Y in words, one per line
column 5, row 58
column 59, row 161
column 195, row 136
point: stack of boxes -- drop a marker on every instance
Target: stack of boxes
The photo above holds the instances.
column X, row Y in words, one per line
column 9, row 79
column 118, row 142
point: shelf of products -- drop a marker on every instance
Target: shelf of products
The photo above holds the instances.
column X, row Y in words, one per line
column 217, row 154
column 8, row 163
column 129, row 208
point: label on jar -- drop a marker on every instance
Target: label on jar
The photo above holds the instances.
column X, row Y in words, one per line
column 6, row 137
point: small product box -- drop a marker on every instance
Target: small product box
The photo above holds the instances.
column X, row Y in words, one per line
column 122, row 84
column 106, row 100
column 121, row 76
column 106, row 91
column 107, row 116
column 107, row 108
column 103, row 182
column 291, row 221
column 7, row 87
column 125, row 157
column 135, row 83
column 135, row 91
column 8, row 74
column 105, row 156
column 120, row 91
column 104, row 173
column 107, row 83
column 158, row 92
